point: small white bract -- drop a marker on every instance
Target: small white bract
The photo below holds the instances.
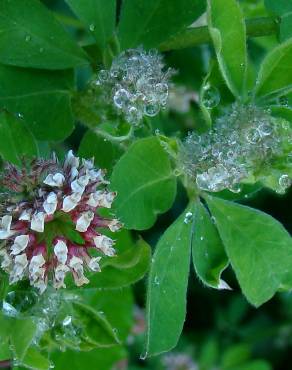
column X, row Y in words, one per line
column 136, row 84
column 51, row 230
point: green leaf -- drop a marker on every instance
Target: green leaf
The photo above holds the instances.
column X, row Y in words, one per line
column 16, row 139
column 167, row 286
column 283, row 112
column 286, row 26
column 258, row 247
column 30, row 36
column 35, row 361
column 209, row 256
column 275, row 74
column 228, row 31
column 105, row 301
column 96, row 328
column 41, row 97
column 22, row 334
column 151, row 22
column 279, row 7
column 105, row 152
column 125, row 269
column 145, row 183
column 103, row 359
column 98, row 15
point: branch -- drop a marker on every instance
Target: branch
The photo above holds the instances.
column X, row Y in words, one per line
column 255, row 27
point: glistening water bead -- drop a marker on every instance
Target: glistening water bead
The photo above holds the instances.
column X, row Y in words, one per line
column 137, row 84
column 243, row 146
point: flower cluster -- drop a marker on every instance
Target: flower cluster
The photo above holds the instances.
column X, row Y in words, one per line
column 136, row 84
column 246, row 144
column 49, row 221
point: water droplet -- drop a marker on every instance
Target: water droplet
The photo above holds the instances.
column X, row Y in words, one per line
column 121, row 98
column 42, row 50
column 151, row 109
column 67, row 321
column 27, row 38
column 92, row 27
column 253, row 136
column 284, row 182
column 156, row 280
column 103, row 75
column 201, row 238
column 211, row 97
column 283, row 100
column 188, row 217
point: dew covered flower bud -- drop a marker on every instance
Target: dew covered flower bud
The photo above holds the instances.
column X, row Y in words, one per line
column 137, row 84
column 246, row 144
column 49, row 222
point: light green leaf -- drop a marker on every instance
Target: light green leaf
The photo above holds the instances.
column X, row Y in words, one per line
column 227, row 29
column 275, row 74
column 106, row 301
column 145, row 183
column 35, row 361
column 209, row 256
column 30, row 36
column 105, row 152
column 258, row 247
column 283, row 112
column 151, row 22
column 22, row 334
column 41, row 97
column 167, row 286
column 98, row 15
column 16, row 139
column 95, row 327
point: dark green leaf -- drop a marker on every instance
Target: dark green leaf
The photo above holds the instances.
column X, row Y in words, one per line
column 209, row 256
column 227, row 29
column 275, row 75
column 279, row 7
column 101, row 359
column 151, row 22
column 41, row 97
column 258, row 247
column 167, row 286
column 30, row 36
column 16, row 139
column 145, row 183
column 104, row 151
column 98, row 15
column 286, row 26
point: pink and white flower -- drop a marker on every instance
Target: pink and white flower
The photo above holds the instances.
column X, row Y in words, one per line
column 48, row 203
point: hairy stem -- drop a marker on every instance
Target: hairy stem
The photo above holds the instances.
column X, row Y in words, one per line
column 255, row 27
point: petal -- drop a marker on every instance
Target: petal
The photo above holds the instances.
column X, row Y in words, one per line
column 25, row 215
column 104, row 244
column 84, row 221
column 56, row 179
column 38, row 222
column 61, row 251
column 50, row 204
column 71, row 160
column 93, row 264
column 20, row 244
column 71, row 201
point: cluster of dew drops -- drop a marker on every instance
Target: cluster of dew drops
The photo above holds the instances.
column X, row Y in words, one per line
column 241, row 142
column 137, row 84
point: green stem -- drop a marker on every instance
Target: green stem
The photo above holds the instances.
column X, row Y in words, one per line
column 255, row 27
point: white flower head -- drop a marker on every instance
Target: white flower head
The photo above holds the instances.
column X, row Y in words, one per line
column 76, row 265
column 38, row 222
column 55, row 180
column 93, row 264
column 60, row 273
column 101, row 198
column 79, row 185
column 71, row 160
column 84, row 221
column 20, row 244
column 25, row 215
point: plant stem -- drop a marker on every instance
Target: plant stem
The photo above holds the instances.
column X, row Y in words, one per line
column 255, row 27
